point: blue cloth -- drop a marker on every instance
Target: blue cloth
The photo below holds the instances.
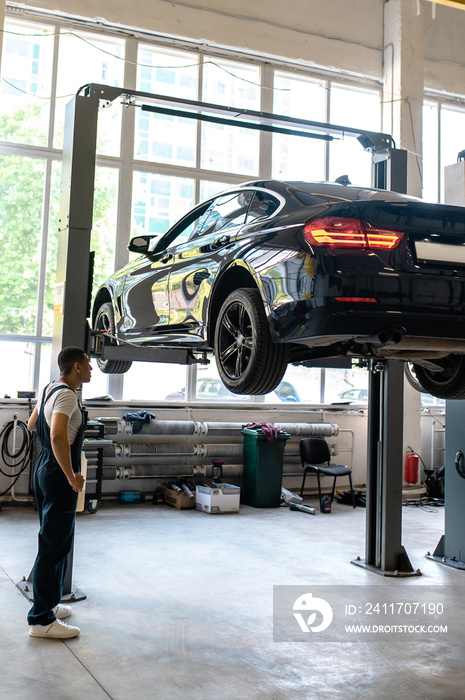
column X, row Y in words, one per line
column 56, row 504
column 138, row 419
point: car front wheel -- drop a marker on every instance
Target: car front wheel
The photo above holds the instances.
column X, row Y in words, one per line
column 448, row 382
column 247, row 359
column 105, row 322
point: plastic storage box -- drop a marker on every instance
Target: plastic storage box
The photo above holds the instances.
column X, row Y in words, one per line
column 224, row 499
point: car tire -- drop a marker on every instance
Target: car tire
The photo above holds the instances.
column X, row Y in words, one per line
column 105, row 321
column 247, row 359
column 448, row 384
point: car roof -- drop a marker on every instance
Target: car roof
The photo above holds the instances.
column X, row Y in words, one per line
column 331, row 189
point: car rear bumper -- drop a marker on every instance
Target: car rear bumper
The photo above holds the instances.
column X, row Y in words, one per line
column 413, row 329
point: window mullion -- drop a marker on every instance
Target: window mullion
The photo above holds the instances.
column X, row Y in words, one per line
column 266, row 138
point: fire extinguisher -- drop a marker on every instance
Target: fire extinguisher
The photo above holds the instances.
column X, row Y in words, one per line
column 411, row 468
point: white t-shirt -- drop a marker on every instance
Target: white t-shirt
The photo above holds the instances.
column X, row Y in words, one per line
column 62, row 401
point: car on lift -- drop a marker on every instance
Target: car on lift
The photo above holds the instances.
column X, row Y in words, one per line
column 271, row 272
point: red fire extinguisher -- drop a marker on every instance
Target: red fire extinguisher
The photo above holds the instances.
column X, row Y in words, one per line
column 411, row 468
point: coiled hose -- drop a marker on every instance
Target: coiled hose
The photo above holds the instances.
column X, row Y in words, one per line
column 21, row 457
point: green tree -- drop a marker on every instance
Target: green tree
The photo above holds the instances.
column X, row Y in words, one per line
column 21, row 206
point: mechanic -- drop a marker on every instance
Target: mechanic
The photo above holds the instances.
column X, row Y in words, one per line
column 60, row 425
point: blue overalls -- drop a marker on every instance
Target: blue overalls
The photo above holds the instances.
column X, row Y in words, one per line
column 56, row 505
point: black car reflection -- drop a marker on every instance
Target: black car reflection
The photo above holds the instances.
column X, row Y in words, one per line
column 274, row 272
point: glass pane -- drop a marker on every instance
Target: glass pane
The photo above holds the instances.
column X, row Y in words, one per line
column 346, row 386
column 159, row 201
column 27, row 60
column 299, row 384
column 19, row 359
column 52, row 250
column 210, row 189
column 152, row 381
column 229, row 148
column 87, row 58
column 103, row 236
column 98, row 385
column 430, row 152
column 165, row 138
column 294, row 157
column 45, row 366
column 452, row 140
column 209, row 386
column 358, row 109
column 21, row 185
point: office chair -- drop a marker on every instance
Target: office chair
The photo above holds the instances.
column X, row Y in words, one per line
column 315, row 456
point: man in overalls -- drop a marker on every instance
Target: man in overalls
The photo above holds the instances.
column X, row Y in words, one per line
column 60, row 426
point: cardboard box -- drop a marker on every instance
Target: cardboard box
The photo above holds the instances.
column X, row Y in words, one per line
column 180, row 501
column 224, row 499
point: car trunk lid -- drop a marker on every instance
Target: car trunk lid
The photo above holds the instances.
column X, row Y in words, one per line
column 435, row 233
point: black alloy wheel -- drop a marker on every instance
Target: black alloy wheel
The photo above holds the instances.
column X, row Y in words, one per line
column 247, row 359
column 447, row 383
column 105, row 321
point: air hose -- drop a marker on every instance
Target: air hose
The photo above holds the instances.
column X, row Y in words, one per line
column 18, row 458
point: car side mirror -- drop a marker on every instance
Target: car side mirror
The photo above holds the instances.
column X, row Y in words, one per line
column 142, row 244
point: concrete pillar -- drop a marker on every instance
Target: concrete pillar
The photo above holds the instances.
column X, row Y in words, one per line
column 403, row 76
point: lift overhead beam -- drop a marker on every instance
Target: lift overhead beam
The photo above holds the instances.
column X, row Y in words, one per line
column 265, row 121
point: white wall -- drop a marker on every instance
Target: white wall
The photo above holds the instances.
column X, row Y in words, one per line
column 330, row 33
column 444, row 49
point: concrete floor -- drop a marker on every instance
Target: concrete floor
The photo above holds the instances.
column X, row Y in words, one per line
column 179, row 605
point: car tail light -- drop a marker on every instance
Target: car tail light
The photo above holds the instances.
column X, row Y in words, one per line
column 350, row 234
column 357, row 300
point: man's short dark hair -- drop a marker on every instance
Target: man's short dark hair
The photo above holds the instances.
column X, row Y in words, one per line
column 67, row 357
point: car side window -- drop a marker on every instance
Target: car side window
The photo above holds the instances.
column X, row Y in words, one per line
column 185, row 229
column 263, row 205
column 226, row 211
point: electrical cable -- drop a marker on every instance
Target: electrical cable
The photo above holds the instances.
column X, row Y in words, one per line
column 428, row 504
column 21, row 457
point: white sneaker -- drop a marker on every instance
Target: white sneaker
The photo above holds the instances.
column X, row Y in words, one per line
column 57, row 630
column 62, row 611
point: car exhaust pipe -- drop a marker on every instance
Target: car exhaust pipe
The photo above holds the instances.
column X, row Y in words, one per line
column 384, row 337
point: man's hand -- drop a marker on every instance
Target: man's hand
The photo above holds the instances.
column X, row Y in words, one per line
column 77, row 482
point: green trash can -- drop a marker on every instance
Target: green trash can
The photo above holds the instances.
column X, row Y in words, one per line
column 263, row 468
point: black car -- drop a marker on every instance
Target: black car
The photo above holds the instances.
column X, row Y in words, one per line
column 274, row 272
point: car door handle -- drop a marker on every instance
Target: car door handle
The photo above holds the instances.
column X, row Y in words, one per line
column 221, row 241
column 166, row 258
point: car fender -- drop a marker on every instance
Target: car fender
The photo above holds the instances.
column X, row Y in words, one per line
column 236, row 274
column 106, row 293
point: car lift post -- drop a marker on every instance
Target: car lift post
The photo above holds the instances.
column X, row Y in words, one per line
column 74, row 275
column 384, row 553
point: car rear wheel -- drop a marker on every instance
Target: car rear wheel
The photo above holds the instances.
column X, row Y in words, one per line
column 449, row 383
column 247, row 359
column 105, row 321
